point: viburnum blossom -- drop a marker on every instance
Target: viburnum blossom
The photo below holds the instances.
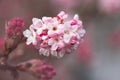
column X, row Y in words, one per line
column 55, row 36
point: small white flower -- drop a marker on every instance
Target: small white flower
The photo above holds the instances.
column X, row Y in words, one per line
column 40, row 29
column 69, row 32
column 76, row 17
column 78, row 22
column 61, row 53
column 55, row 28
column 54, row 53
column 56, row 43
column 80, row 33
column 62, row 15
column 47, row 20
column 44, row 52
column 38, row 25
column 31, row 36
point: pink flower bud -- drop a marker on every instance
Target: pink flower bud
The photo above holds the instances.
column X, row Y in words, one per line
column 14, row 33
column 38, row 69
column 15, row 27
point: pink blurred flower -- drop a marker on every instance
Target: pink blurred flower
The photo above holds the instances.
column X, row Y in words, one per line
column 67, row 4
column 85, row 49
column 109, row 6
column 70, row 5
column 114, row 39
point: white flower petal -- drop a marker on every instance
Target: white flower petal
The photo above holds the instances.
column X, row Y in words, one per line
column 61, row 44
column 44, row 37
column 54, row 53
column 34, row 42
column 67, row 25
column 67, row 38
column 44, row 26
column 36, row 21
column 39, row 31
column 50, row 32
column 44, row 18
column 54, row 46
column 78, row 36
column 47, row 19
column 50, row 26
column 27, row 33
column 81, row 32
column 29, row 40
column 76, row 17
column 63, row 15
column 61, row 54
column 46, row 53
column 43, row 51
column 50, row 41
column 74, row 28
column 61, row 28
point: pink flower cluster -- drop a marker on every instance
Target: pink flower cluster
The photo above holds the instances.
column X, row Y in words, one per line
column 15, row 27
column 55, row 35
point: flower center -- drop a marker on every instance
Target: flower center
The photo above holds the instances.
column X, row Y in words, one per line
column 56, row 39
column 54, row 28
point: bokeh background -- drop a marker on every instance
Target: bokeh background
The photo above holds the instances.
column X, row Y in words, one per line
column 97, row 57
